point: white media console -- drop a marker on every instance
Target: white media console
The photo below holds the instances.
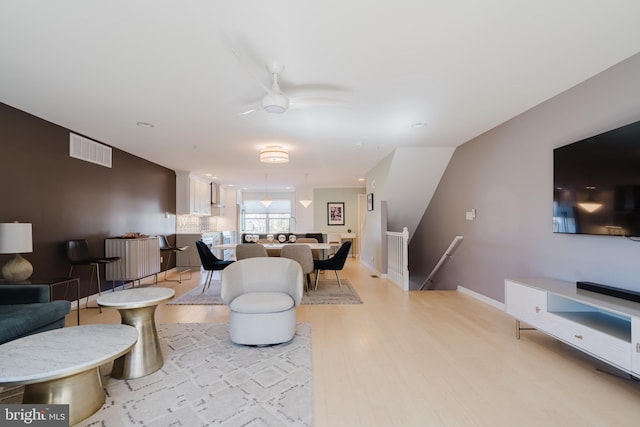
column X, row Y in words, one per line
column 605, row 327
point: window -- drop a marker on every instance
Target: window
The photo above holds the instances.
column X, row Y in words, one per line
column 260, row 220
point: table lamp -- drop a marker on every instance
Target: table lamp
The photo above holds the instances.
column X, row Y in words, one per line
column 15, row 238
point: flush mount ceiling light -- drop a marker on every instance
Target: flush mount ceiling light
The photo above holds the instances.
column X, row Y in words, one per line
column 274, row 154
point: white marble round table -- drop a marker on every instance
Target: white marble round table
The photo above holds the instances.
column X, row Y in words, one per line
column 137, row 308
column 61, row 366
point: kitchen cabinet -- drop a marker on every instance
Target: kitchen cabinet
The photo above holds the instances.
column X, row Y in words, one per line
column 193, row 195
column 190, row 258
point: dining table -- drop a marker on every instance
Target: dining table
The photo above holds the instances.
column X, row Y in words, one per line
column 276, row 245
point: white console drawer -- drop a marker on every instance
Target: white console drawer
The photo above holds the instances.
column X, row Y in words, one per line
column 525, row 303
column 635, row 345
column 605, row 346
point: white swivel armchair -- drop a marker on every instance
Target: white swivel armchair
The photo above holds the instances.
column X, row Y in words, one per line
column 263, row 294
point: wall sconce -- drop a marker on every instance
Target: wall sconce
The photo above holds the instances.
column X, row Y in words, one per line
column 16, row 238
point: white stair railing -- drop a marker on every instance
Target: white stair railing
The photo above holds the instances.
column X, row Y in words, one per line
column 398, row 258
column 447, row 254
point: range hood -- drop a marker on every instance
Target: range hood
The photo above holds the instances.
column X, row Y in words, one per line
column 215, row 196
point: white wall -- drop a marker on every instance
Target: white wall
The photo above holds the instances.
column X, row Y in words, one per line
column 406, row 180
column 413, row 177
column 376, row 182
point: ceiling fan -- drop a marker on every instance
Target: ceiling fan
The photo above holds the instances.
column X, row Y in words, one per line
column 274, row 101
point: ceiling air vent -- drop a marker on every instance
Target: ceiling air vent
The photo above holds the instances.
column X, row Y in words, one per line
column 89, row 151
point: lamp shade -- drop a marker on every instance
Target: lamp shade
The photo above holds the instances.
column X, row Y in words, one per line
column 274, row 154
column 15, row 238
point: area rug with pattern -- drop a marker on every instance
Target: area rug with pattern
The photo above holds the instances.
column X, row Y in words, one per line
column 209, row 381
column 328, row 292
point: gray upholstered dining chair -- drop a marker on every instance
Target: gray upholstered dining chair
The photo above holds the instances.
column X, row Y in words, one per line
column 315, row 252
column 302, row 254
column 250, row 250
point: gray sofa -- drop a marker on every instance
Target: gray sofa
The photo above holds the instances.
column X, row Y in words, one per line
column 26, row 310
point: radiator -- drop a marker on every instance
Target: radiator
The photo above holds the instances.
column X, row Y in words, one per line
column 140, row 258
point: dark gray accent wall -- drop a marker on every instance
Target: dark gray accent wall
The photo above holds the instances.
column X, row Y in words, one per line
column 67, row 198
column 506, row 174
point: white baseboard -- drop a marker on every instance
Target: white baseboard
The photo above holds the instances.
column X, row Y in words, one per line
column 372, row 269
column 496, row 304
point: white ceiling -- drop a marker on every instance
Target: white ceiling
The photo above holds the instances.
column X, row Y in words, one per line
column 462, row 67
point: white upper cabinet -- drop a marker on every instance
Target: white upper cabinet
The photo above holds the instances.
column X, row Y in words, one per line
column 193, row 195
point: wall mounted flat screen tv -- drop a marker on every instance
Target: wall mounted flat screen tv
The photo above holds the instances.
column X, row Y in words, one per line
column 596, row 184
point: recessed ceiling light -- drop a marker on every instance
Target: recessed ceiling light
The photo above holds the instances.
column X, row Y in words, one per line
column 145, row 125
column 418, row 125
column 361, row 179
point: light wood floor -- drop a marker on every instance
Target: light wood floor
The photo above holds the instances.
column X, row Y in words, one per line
column 437, row 358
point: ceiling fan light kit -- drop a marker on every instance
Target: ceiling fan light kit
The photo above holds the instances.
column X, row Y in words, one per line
column 274, row 154
column 275, row 103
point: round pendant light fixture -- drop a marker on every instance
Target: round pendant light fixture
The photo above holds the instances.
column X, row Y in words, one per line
column 305, row 201
column 274, row 154
column 266, row 201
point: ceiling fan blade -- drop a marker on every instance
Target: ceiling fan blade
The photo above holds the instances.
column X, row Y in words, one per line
column 292, row 88
column 249, row 71
column 251, row 110
column 317, row 101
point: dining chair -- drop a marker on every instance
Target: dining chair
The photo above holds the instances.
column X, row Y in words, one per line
column 335, row 263
column 210, row 262
column 166, row 247
column 78, row 254
column 302, row 254
column 270, row 252
column 333, row 238
column 315, row 252
column 250, row 250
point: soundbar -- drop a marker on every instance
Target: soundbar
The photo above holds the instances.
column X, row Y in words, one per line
column 609, row 290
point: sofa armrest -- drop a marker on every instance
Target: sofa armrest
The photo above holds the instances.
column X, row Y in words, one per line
column 23, row 294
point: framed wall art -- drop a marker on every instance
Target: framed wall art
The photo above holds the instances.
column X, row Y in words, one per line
column 370, row 201
column 335, row 213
